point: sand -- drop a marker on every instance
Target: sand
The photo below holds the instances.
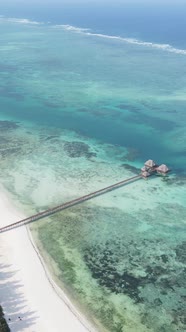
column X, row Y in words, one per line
column 30, row 298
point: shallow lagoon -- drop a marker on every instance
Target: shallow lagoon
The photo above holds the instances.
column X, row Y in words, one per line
column 79, row 113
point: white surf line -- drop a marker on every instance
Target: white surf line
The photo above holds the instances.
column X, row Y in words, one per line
column 163, row 47
column 86, row 31
column 18, row 20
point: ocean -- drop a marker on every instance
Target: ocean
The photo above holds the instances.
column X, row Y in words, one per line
column 154, row 22
column 87, row 95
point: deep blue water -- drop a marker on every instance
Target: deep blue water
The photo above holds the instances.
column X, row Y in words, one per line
column 159, row 24
column 154, row 23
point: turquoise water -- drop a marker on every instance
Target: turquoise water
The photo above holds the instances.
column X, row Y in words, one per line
column 79, row 112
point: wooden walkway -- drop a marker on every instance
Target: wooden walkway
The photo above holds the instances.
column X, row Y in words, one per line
column 66, row 205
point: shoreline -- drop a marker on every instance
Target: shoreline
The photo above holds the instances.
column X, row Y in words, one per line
column 23, row 294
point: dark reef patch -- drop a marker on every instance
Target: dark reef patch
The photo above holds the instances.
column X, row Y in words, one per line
column 101, row 112
column 10, row 151
column 9, row 92
column 52, row 137
column 83, row 110
column 149, row 270
column 7, row 68
column 52, row 104
column 8, row 125
column 137, row 269
column 130, row 108
column 154, row 122
column 132, row 155
column 103, row 269
column 178, row 180
column 181, row 252
column 4, row 141
column 78, row 149
column 139, row 117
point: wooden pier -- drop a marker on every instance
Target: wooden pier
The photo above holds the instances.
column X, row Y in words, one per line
column 69, row 204
column 149, row 168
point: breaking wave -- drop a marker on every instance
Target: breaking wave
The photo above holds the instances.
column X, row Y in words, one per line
column 71, row 28
column 88, row 32
column 164, row 47
column 18, row 20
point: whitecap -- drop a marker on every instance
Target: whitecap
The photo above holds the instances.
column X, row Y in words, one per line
column 86, row 31
column 18, row 20
column 71, row 28
column 163, row 47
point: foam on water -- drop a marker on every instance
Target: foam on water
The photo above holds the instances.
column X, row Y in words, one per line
column 164, row 47
column 18, row 20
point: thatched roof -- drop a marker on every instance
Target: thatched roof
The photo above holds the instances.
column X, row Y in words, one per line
column 162, row 168
column 143, row 169
column 145, row 174
column 150, row 163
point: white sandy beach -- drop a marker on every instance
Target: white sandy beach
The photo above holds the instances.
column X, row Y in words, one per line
column 30, row 299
